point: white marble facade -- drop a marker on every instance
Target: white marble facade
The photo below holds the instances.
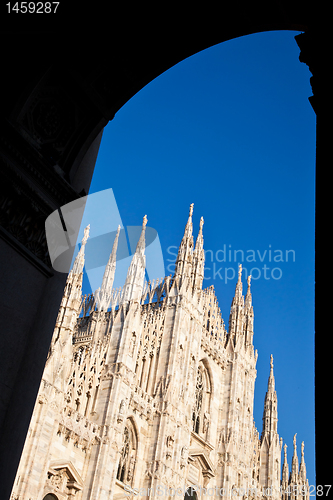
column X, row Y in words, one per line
column 146, row 393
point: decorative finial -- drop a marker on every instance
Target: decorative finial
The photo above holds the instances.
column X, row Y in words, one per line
column 285, row 450
column 239, row 272
column 201, row 222
column 85, row 235
column 191, row 209
column 294, row 440
column 249, row 280
column 302, row 448
column 144, row 222
column 271, row 362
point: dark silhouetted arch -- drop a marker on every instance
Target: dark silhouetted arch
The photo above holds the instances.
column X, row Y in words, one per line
column 59, row 89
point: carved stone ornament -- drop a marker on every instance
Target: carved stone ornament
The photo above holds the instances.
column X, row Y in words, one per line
column 63, row 480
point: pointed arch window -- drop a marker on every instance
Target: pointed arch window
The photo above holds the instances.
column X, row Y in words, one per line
column 127, row 455
column 202, row 401
column 196, row 417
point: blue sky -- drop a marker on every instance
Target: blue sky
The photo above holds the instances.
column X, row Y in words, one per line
column 231, row 130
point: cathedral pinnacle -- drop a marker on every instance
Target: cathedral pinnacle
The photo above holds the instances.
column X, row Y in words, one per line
column 248, row 310
column 238, row 298
column 285, row 468
column 189, row 226
column 86, row 235
column 133, row 286
column 236, row 317
column 201, row 224
column 302, row 468
column 248, row 297
column 271, row 380
column 142, row 243
column 294, row 463
column 199, row 237
column 270, row 417
column 240, row 273
column 198, row 259
column 239, row 286
column 185, row 251
column 103, row 295
column 79, row 260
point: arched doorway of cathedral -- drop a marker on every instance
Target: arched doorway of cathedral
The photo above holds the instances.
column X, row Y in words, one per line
column 50, row 496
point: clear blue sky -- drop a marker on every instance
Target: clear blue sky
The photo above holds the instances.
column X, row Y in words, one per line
column 231, row 130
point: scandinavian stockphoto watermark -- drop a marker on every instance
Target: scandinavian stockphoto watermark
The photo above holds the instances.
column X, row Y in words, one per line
column 65, row 227
column 162, row 490
column 222, row 264
column 197, row 491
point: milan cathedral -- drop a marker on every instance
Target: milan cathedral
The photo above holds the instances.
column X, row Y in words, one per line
column 147, row 393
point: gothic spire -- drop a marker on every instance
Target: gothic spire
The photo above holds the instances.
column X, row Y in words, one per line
column 73, row 288
column 103, row 294
column 285, row 468
column 141, row 245
column 136, row 272
column 199, row 242
column 248, row 297
column 198, row 259
column 302, row 468
column 189, row 225
column 184, row 257
column 248, row 313
column 239, row 287
column 271, row 379
column 79, row 259
column 237, row 307
column 70, row 305
column 270, row 407
column 294, row 463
